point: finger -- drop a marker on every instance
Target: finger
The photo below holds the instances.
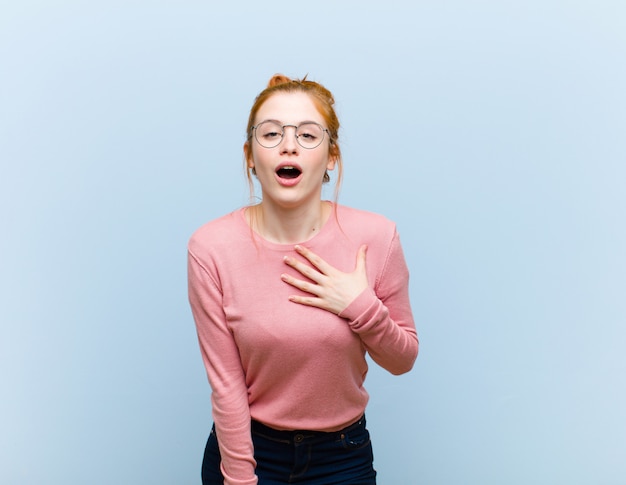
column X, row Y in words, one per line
column 314, row 259
column 309, row 301
column 305, row 286
column 304, row 269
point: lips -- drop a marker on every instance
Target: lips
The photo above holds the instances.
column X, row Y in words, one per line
column 288, row 174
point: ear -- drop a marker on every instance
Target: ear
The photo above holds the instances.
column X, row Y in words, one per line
column 247, row 153
column 333, row 156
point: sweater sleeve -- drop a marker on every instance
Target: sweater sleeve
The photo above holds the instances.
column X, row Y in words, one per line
column 382, row 315
column 220, row 355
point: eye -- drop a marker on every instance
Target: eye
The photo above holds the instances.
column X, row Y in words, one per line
column 269, row 131
column 271, row 135
column 309, row 132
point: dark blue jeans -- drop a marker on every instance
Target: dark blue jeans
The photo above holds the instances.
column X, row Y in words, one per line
column 305, row 457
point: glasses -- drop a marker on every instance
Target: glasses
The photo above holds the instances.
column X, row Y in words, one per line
column 309, row 135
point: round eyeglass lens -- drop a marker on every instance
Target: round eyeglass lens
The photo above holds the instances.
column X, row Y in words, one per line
column 268, row 134
column 309, row 135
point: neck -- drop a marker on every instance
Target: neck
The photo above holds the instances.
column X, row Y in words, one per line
column 288, row 226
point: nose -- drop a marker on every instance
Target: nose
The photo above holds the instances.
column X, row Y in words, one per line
column 289, row 143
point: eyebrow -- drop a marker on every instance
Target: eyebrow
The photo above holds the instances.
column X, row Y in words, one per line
column 281, row 123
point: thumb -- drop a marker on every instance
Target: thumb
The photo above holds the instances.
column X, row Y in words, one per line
column 361, row 257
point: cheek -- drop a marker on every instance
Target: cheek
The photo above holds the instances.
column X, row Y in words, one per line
column 255, row 157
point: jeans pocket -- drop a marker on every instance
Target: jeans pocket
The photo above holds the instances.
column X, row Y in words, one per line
column 355, row 439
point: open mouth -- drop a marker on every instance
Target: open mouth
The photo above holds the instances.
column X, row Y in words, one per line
column 288, row 172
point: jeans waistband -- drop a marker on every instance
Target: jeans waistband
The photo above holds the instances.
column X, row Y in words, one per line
column 297, row 436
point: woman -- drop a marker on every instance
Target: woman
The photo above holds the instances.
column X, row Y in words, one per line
column 288, row 295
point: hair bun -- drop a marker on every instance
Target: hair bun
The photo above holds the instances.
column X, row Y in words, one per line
column 278, row 79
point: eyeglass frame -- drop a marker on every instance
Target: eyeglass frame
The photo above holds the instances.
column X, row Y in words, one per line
column 282, row 135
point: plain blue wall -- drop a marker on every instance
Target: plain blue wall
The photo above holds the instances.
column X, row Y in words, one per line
column 493, row 133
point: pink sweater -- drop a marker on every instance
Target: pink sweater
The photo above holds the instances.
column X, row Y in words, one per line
column 287, row 365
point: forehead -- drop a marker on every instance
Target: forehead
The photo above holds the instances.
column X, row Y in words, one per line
column 289, row 108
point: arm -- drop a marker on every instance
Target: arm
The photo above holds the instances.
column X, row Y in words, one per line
column 224, row 369
column 383, row 318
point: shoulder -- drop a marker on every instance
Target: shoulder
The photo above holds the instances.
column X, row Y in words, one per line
column 218, row 234
column 364, row 223
column 384, row 251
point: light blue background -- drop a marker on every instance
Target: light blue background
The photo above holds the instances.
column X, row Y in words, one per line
column 493, row 133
